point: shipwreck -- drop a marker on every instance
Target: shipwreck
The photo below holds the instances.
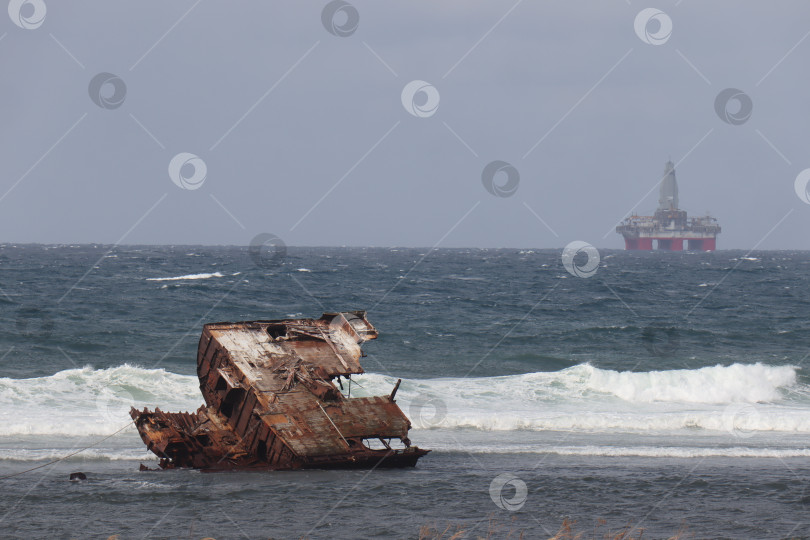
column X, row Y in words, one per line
column 271, row 402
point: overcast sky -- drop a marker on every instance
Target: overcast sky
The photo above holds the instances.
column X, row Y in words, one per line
column 305, row 133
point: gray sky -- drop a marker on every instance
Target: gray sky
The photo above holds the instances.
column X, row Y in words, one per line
column 304, row 133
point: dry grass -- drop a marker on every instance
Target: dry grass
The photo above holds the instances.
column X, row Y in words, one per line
column 494, row 530
column 568, row 531
column 629, row 532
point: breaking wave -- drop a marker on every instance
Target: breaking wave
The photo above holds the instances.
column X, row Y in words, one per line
column 188, row 276
column 632, row 451
column 737, row 383
column 718, row 384
column 97, row 454
column 90, row 402
column 734, row 399
column 737, row 399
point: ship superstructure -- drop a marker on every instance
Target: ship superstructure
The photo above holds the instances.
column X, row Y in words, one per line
column 669, row 226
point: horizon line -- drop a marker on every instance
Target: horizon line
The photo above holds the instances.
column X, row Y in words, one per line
column 393, row 246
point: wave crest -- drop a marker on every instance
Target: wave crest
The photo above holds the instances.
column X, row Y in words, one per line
column 738, row 399
column 187, row 277
column 738, row 383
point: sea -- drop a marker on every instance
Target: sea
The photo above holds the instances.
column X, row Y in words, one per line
column 656, row 393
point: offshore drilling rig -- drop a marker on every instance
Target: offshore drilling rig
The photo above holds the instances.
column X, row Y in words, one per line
column 669, row 226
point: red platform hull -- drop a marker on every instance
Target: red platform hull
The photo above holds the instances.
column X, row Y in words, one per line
column 670, row 244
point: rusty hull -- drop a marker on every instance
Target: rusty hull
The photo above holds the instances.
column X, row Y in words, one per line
column 271, row 403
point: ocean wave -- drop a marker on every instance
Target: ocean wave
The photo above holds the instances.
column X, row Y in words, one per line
column 95, row 454
column 632, row 451
column 187, row 277
column 737, row 383
column 87, row 401
column 737, row 399
column 750, row 383
column 733, row 421
column 450, row 446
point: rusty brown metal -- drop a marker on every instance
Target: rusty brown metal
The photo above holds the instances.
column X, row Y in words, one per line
column 271, row 402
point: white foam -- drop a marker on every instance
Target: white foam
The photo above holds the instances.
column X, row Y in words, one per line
column 738, row 400
column 187, row 277
column 137, row 453
column 90, row 402
column 593, row 420
column 629, row 451
column 718, row 384
column 47, row 454
column 737, row 383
